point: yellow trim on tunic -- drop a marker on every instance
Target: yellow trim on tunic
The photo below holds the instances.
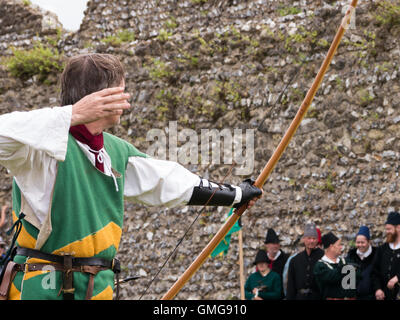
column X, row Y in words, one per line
column 94, row 243
column 14, row 293
column 106, row 294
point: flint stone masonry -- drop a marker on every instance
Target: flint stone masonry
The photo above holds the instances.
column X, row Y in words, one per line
column 223, row 64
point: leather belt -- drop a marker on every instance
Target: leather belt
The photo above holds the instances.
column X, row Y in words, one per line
column 68, row 265
column 77, row 262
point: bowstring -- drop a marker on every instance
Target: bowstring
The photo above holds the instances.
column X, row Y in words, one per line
column 291, row 79
column 186, row 232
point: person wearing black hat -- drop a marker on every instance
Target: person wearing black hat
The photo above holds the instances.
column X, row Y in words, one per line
column 386, row 267
column 363, row 256
column 264, row 284
column 330, row 270
column 276, row 257
column 301, row 284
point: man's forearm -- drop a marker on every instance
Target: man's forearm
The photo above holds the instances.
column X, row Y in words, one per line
column 214, row 194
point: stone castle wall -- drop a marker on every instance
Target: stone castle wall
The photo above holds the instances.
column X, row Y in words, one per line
column 223, row 64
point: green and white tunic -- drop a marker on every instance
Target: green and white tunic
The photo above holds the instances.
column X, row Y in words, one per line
column 71, row 206
column 85, row 219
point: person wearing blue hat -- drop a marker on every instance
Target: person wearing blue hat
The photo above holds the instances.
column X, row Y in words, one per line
column 362, row 256
column 386, row 268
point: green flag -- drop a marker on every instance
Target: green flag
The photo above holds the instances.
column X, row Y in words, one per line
column 223, row 246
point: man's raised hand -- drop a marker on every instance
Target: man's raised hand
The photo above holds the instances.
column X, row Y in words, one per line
column 100, row 104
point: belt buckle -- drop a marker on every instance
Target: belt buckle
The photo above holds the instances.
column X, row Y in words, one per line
column 68, row 291
column 62, row 253
column 67, row 260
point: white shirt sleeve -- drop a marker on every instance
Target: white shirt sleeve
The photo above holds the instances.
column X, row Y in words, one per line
column 23, row 134
column 31, row 143
column 158, row 182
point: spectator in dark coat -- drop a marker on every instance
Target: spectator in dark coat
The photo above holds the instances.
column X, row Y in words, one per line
column 386, row 266
column 336, row 279
column 301, row 284
column 276, row 258
column 362, row 257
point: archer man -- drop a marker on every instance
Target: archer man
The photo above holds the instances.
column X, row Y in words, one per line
column 70, row 182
